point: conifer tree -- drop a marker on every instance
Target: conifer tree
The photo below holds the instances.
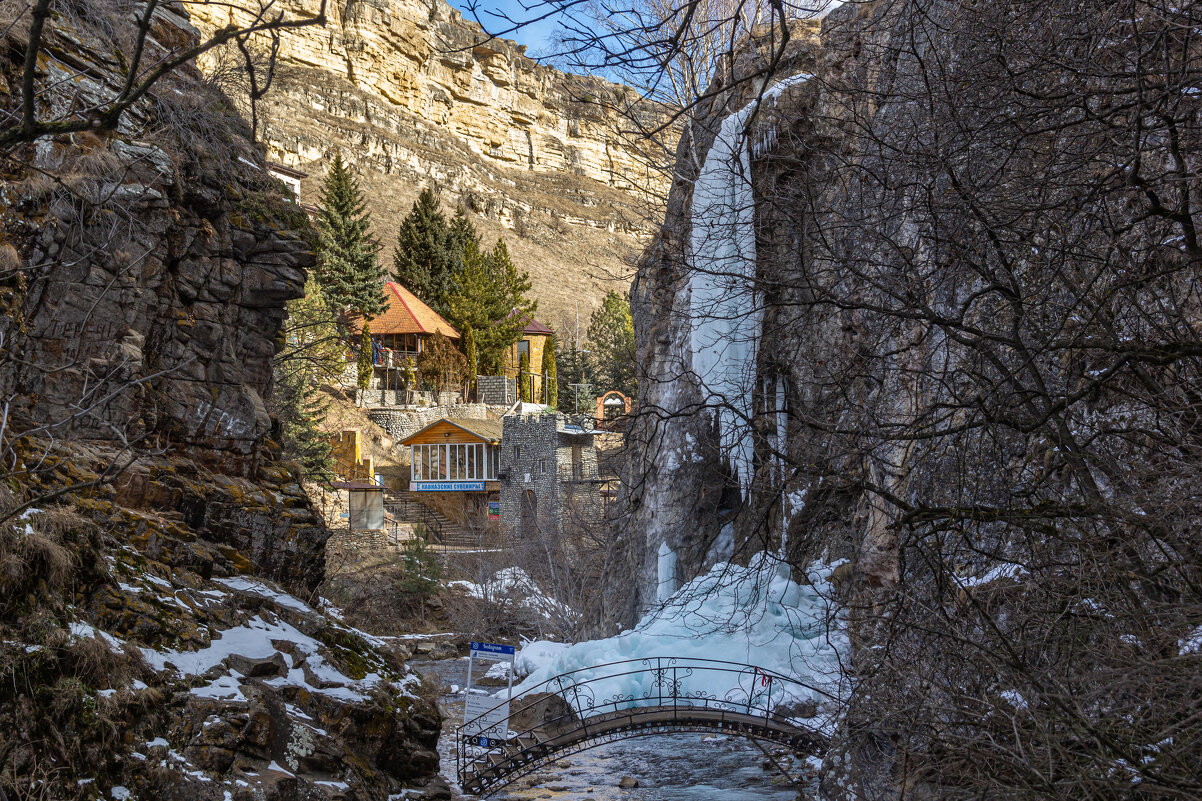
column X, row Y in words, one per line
column 551, row 374
column 611, row 334
column 420, row 572
column 348, row 268
column 428, row 250
column 312, row 355
column 575, row 370
column 301, row 409
column 489, row 297
column 462, row 235
column 469, row 350
column 524, row 380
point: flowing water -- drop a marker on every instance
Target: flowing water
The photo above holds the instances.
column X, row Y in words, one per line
column 680, row 767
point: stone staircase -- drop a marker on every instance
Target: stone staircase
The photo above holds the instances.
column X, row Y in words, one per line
column 403, row 505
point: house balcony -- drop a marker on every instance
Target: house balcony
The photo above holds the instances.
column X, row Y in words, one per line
column 578, row 474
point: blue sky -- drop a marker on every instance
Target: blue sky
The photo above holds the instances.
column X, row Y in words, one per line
column 536, row 37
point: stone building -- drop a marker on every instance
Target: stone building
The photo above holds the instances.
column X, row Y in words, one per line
column 535, row 340
column 549, row 479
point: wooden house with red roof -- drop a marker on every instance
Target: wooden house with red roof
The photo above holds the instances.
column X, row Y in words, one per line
column 405, row 324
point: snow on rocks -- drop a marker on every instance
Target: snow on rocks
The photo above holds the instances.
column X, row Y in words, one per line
column 252, row 676
column 514, row 584
column 754, row 615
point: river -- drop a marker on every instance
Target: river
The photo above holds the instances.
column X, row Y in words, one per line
column 680, row 767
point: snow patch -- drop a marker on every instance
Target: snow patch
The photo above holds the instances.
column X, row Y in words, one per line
column 515, row 583
column 754, row 615
column 243, row 584
column 82, row 630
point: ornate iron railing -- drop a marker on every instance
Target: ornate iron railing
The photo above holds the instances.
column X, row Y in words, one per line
column 635, row 697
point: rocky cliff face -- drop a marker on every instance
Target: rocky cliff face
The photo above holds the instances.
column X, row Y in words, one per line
column 153, row 637
column 415, row 95
column 910, row 323
column 681, row 487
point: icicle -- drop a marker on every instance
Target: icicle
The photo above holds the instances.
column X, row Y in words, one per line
column 724, row 311
column 667, row 573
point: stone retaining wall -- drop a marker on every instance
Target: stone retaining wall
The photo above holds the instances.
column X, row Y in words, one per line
column 401, row 422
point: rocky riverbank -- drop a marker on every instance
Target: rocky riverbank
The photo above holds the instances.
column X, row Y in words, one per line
column 159, row 635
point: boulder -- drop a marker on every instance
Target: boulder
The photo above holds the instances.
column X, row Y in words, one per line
column 264, row 668
column 547, row 713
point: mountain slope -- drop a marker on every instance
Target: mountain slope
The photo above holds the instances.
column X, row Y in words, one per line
column 415, row 95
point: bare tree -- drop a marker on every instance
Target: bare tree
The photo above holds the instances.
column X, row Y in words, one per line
column 149, row 60
column 965, row 255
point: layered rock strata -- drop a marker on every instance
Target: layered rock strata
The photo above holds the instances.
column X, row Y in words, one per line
column 414, row 95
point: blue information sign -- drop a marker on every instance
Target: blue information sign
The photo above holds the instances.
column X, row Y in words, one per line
column 446, row 486
column 493, row 648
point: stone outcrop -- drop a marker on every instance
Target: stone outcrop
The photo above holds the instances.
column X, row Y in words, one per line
column 160, row 561
column 413, row 95
column 158, row 262
column 179, row 677
column 925, row 404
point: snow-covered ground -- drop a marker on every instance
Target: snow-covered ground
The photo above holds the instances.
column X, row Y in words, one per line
column 515, row 585
column 754, row 615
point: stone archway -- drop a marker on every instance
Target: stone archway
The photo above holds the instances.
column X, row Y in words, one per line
column 604, row 401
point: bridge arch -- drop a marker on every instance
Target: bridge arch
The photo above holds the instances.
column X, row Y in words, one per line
column 585, row 708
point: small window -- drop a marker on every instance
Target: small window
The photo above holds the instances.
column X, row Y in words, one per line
column 524, row 348
column 517, row 451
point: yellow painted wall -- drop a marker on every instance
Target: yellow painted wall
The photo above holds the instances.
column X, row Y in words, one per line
column 349, row 463
column 538, row 346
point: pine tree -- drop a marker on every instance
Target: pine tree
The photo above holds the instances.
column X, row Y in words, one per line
column 524, row 378
column 551, row 373
column 489, row 297
column 462, row 235
column 611, row 333
column 469, row 351
column 312, row 355
column 575, row 370
column 429, row 250
column 420, row 571
column 349, row 272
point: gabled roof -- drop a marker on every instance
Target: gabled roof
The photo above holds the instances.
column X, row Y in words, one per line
column 284, row 169
column 487, row 430
column 533, row 326
column 406, row 314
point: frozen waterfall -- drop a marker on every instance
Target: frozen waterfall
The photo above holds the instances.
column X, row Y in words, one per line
column 724, row 311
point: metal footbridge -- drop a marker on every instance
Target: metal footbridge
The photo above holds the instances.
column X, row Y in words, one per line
column 584, row 708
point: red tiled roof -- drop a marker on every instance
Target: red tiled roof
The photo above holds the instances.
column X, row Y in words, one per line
column 533, row 326
column 408, row 315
